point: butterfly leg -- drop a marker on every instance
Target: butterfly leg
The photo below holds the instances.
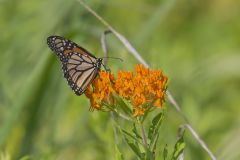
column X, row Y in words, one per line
column 106, row 68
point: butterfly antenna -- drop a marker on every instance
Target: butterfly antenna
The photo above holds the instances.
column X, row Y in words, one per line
column 114, row 58
column 105, row 67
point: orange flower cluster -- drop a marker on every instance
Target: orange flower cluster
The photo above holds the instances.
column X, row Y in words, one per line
column 144, row 88
column 101, row 91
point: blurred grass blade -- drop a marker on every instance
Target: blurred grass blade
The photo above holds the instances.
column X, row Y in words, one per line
column 165, row 152
column 27, row 93
column 118, row 154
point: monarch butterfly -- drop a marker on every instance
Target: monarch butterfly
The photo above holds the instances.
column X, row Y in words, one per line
column 79, row 66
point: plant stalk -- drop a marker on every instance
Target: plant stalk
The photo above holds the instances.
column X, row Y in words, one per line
column 144, row 137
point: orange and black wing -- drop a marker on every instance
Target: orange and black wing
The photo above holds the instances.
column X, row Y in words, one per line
column 79, row 66
column 62, row 47
column 80, row 71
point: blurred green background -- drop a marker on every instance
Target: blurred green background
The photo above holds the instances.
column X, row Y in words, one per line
column 195, row 42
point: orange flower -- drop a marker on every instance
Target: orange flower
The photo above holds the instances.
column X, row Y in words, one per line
column 101, row 90
column 141, row 88
column 138, row 111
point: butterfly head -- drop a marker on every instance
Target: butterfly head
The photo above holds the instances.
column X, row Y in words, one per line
column 99, row 63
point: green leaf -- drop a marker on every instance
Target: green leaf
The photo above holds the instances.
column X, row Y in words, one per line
column 153, row 130
column 150, row 155
column 135, row 131
column 132, row 136
column 135, row 148
column 165, row 152
column 128, row 105
column 154, row 142
column 178, row 148
column 155, row 125
column 124, row 105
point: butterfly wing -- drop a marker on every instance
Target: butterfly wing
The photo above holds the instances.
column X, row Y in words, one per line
column 79, row 66
column 80, row 71
column 62, row 47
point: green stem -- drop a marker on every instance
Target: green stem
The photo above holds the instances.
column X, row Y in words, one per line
column 144, row 138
